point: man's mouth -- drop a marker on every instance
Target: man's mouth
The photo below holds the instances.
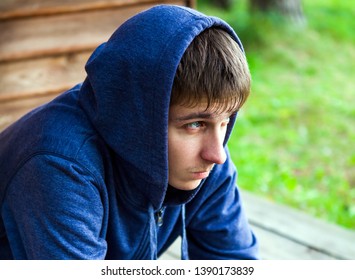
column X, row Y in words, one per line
column 201, row 174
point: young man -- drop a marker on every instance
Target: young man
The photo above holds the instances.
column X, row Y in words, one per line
column 121, row 165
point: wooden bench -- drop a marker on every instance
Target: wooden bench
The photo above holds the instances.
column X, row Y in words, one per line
column 289, row 234
column 44, row 45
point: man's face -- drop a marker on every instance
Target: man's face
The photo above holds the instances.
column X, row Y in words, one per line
column 196, row 137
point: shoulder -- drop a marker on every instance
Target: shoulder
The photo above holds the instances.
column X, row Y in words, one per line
column 57, row 206
column 57, row 132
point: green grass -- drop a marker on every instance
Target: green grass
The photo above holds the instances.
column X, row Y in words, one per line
column 294, row 140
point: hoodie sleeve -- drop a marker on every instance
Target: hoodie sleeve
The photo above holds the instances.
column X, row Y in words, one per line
column 217, row 227
column 53, row 210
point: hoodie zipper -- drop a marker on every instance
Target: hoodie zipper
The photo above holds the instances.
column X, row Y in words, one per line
column 159, row 216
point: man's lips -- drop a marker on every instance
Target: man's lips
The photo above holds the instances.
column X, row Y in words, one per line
column 199, row 175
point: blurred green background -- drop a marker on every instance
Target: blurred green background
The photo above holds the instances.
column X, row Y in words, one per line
column 294, row 139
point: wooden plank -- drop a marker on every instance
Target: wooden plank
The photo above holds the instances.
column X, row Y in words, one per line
column 43, row 76
column 22, row 8
column 326, row 238
column 272, row 247
column 13, row 110
column 45, row 36
column 275, row 247
column 36, row 37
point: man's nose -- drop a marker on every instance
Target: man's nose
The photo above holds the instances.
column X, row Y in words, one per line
column 213, row 150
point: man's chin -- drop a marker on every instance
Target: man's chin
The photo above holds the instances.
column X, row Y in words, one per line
column 186, row 186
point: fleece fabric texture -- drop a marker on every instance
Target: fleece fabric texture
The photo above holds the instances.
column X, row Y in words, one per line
column 86, row 175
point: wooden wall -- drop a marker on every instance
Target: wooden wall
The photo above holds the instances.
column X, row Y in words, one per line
column 44, row 45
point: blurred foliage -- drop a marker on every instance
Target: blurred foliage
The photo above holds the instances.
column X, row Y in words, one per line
column 294, row 139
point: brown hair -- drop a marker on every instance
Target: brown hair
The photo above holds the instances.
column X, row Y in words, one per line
column 214, row 69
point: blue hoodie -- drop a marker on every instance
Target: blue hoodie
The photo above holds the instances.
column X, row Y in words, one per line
column 86, row 175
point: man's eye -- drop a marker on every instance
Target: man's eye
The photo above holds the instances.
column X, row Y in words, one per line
column 194, row 125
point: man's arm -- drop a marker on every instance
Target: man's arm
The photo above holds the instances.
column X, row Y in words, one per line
column 53, row 210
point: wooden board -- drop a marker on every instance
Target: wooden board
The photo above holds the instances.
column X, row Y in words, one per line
column 277, row 247
column 288, row 234
column 46, row 36
column 23, row 8
column 41, row 76
column 296, row 226
column 272, row 247
column 44, row 45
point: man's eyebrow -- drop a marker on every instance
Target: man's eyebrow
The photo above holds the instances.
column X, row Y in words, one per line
column 200, row 115
column 195, row 116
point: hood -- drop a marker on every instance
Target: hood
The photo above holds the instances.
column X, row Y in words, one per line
column 126, row 93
